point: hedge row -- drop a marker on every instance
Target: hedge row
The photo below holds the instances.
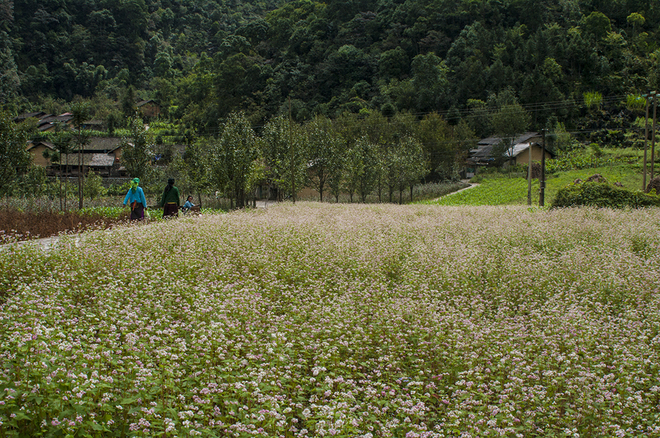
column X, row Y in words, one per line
column 603, row 194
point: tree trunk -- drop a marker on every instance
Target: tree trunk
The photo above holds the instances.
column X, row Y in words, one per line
column 66, row 177
column 411, row 192
column 80, row 188
column 61, row 206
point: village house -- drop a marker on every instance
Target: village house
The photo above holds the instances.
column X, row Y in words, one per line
column 101, row 155
column 149, row 108
column 46, row 122
column 485, row 152
column 37, row 149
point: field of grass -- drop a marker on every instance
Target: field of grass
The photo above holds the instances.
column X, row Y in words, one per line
column 339, row 320
column 499, row 189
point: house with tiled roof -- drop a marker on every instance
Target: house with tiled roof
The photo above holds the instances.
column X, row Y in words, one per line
column 485, row 154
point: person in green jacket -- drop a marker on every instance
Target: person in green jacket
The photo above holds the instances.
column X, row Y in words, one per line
column 170, row 200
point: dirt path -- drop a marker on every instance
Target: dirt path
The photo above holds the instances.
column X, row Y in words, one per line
column 472, row 185
column 45, row 244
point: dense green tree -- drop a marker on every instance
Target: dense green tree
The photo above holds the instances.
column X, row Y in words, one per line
column 443, row 145
column 285, row 156
column 413, row 165
column 355, row 166
column 14, row 158
column 207, row 58
column 323, row 153
column 429, row 82
column 508, row 121
column 598, row 25
column 235, row 153
column 197, row 160
column 137, row 150
column 367, row 173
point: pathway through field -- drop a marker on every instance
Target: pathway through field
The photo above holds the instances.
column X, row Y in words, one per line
column 472, row 185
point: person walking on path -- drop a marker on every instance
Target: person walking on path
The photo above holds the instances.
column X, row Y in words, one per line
column 170, row 200
column 136, row 200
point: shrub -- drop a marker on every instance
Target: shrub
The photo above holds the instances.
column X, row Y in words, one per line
column 602, row 194
column 577, row 160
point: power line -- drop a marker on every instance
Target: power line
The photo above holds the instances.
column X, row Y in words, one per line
column 467, row 113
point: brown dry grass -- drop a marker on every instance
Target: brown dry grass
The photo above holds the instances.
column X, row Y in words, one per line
column 20, row 225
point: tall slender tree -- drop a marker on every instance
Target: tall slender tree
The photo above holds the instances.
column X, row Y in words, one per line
column 508, row 121
column 323, row 147
column 62, row 142
column 81, row 113
column 236, row 150
column 137, row 149
column 14, row 157
column 285, row 156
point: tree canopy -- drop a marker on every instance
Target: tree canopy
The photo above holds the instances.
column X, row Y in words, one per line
column 204, row 59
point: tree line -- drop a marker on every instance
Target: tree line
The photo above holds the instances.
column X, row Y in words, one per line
column 353, row 155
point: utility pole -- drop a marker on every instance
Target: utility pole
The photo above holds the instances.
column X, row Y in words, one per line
column 293, row 175
column 542, row 181
column 646, row 140
column 529, row 175
column 655, row 106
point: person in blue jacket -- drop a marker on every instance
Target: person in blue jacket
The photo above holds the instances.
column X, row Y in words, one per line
column 189, row 203
column 136, row 200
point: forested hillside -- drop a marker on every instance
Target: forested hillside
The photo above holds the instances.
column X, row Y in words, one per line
column 202, row 59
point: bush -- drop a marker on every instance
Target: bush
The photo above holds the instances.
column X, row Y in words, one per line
column 577, row 160
column 93, row 187
column 602, row 194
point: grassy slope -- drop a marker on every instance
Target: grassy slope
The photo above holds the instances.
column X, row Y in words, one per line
column 499, row 189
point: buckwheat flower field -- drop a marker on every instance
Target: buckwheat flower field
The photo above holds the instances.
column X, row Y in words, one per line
column 314, row 320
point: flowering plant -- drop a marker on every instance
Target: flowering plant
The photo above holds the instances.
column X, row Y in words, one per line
column 314, row 320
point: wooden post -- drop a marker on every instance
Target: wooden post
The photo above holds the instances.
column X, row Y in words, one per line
column 542, row 179
column 80, row 183
column 293, row 175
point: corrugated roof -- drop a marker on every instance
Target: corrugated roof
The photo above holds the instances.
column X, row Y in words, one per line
column 90, row 160
column 482, row 151
column 526, row 137
column 517, row 150
column 489, row 141
column 104, row 144
column 24, row 116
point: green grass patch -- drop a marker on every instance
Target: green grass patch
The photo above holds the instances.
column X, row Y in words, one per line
column 501, row 190
column 491, row 191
